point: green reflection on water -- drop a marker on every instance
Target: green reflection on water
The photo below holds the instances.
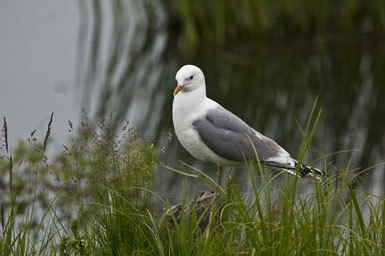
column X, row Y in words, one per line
column 270, row 83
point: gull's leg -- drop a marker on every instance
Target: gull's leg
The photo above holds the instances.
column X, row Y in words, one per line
column 219, row 175
column 219, row 179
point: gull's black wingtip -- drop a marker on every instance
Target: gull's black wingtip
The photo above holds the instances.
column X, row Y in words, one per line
column 308, row 171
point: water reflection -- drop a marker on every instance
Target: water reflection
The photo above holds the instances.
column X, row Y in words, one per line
column 270, row 84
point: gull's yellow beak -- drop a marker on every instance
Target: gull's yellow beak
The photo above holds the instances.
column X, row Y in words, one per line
column 177, row 89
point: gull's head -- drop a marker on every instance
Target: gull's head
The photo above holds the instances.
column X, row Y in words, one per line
column 189, row 78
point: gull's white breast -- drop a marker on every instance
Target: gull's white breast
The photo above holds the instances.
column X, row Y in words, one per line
column 185, row 110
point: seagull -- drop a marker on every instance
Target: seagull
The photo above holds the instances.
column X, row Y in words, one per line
column 211, row 133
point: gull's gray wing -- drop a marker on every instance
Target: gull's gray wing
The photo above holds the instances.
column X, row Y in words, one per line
column 227, row 136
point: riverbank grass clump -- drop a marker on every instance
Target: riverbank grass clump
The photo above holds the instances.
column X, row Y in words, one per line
column 96, row 198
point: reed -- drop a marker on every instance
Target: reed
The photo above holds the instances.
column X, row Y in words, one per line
column 220, row 21
column 106, row 179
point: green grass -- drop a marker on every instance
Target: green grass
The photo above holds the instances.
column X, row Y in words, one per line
column 106, row 179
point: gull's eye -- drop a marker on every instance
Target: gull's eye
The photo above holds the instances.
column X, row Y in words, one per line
column 191, row 77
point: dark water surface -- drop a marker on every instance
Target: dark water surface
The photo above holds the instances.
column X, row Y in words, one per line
column 271, row 84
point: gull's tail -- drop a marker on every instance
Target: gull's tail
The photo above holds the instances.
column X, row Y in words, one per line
column 302, row 171
column 306, row 171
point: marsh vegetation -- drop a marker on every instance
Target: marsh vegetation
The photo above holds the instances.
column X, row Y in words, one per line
column 96, row 198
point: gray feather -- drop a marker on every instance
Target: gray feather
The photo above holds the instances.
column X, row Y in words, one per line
column 227, row 136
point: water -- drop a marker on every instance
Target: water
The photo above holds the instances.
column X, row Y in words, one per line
column 272, row 85
column 38, row 46
column 127, row 57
